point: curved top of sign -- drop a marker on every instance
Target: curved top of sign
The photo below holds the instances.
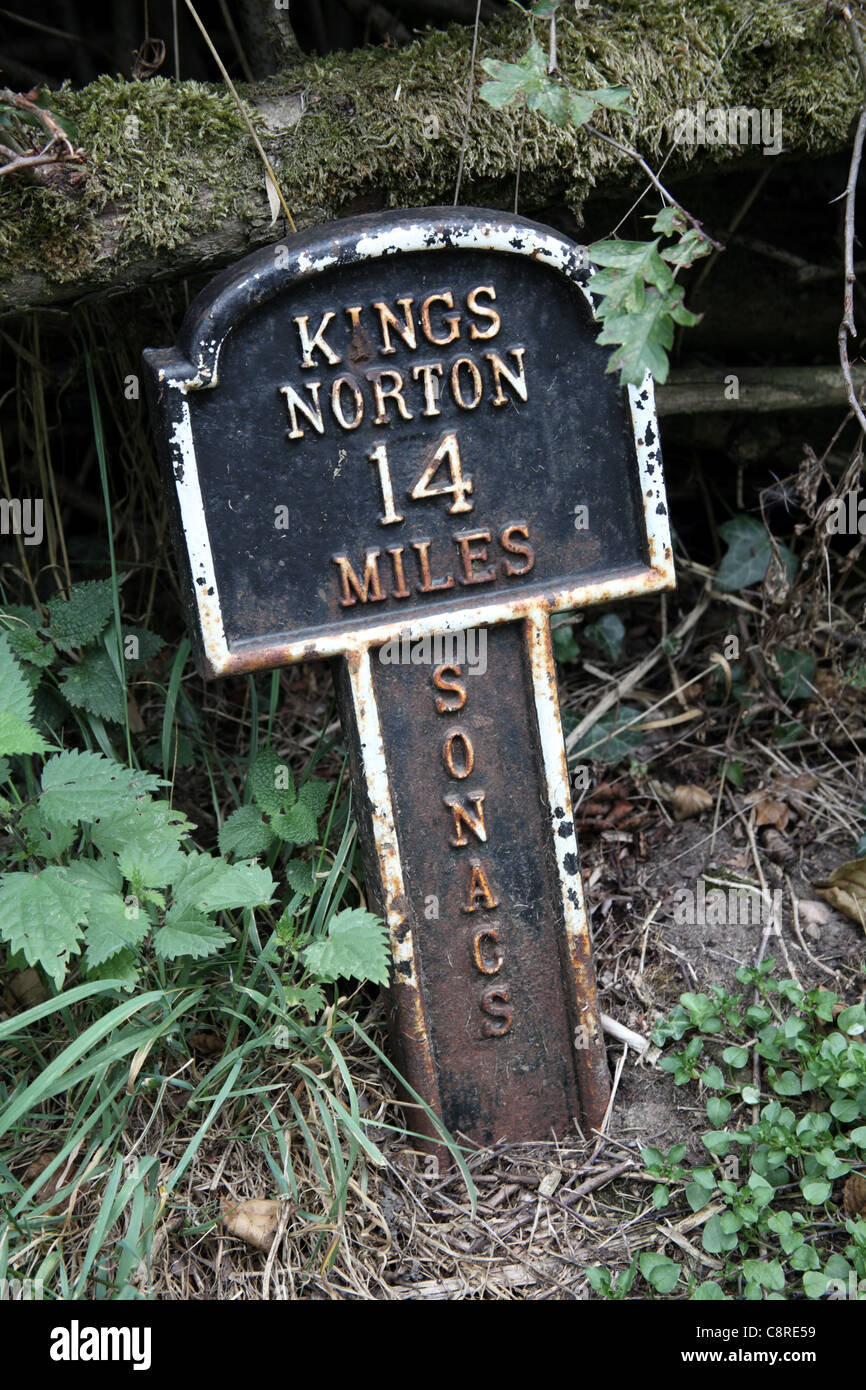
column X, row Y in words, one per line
column 400, row 424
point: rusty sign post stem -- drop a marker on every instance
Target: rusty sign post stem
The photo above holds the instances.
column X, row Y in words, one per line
column 392, row 442
column 501, row 927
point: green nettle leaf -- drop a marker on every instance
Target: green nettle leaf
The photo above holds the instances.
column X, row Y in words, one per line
column 271, row 783
column 188, row 933
column 296, row 826
column 309, row 997
column 112, row 926
column 148, row 644
column 41, row 915
column 79, row 620
column 749, row 553
column 46, row 841
column 93, row 685
column 21, row 625
column 139, row 820
column 17, row 736
column 211, row 885
column 798, row 674
column 245, row 834
column 152, row 861
column 300, row 877
column 84, row 786
column 316, row 794
column 356, row 948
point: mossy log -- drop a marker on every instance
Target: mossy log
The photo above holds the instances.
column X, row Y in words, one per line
column 174, row 185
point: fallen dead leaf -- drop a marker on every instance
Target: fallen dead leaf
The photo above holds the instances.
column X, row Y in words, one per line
column 777, row 846
column 690, row 801
column 814, row 913
column 254, row 1221
column 206, row 1041
column 27, row 988
column 846, row 889
column 774, row 813
column 854, row 1195
column 48, row 1186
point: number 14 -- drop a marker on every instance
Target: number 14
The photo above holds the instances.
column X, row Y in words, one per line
column 459, row 486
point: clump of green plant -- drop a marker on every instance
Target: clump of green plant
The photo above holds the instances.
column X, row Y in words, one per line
column 638, row 300
column 775, row 1149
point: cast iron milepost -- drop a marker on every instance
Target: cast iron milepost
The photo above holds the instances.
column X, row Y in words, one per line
column 392, row 441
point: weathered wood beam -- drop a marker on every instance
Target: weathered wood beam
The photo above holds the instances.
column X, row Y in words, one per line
column 174, row 185
column 699, row 391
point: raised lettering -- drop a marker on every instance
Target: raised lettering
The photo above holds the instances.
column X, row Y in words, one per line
column 431, row 387
column 483, row 312
column 381, row 393
column 465, row 540
column 428, row 585
column 313, row 413
column 337, row 405
column 388, row 320
column 500, row 1018
column 518, row 528
column 466, row 755
column 368, row 590
column 475, row 378
column 516, row 381
column 453, row 686
column 463, row 817
column 479, row 887
column 309, row 344
column 453, row 319
column 480, row 955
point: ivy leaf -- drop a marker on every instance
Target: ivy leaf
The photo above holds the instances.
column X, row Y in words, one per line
column 42, row 916
column 749, row 553
column 798, row 673
column 245, row 834
column 608, row 740
column 79, row 620
column 356, row 948
column 608, row 633
column 93, row 685
column 188, row 933
column 271, row 783
column 17, row 735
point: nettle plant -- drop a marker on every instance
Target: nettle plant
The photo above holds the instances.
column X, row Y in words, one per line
column 101, row 876
column 638, row 301
column 775, row 1149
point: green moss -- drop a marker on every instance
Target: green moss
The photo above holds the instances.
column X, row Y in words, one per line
column 170, row 164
